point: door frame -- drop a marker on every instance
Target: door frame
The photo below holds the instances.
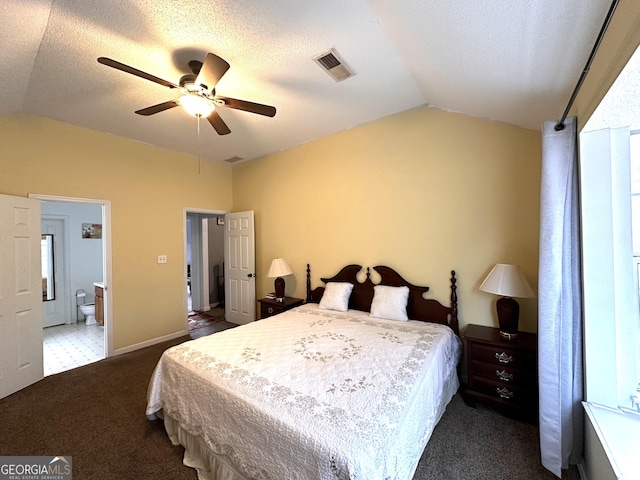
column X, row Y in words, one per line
column 200, row 270
column 106, row 259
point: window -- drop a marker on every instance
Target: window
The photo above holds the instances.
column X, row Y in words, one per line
column 633, row 346
column 610, row 193
column 634, row 154
column 610, row 215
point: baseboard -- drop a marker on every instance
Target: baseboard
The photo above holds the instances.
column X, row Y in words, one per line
column 148, row 343
column 209, row 307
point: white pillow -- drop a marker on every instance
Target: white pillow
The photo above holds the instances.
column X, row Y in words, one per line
column 390, row 302
column 336, row 296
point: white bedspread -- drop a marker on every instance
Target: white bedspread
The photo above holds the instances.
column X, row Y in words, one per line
column 312, row 394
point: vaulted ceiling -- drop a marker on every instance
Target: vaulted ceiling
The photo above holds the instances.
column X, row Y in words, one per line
column 514, row 61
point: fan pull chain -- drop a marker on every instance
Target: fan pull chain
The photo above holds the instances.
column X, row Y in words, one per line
column 198, row 116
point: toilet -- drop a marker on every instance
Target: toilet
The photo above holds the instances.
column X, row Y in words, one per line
column 89, row 312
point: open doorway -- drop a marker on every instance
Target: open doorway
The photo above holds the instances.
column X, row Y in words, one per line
column 204, row 267
column 76, row 320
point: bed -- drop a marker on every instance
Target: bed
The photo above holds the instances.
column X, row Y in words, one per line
column 322, row 391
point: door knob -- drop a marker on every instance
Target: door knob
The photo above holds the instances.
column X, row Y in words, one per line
column 251, row 275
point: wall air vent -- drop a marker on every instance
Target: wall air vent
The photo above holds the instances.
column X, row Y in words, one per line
column 233, row 159
column 332, row 63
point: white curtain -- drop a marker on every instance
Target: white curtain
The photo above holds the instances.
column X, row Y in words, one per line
column 560, row 302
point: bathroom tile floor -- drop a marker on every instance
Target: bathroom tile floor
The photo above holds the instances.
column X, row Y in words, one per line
column 72, row 345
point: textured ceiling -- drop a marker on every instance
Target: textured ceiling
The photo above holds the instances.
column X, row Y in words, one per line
column 513, row 61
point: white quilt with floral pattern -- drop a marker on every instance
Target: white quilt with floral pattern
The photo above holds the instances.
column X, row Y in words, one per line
column 312, row 394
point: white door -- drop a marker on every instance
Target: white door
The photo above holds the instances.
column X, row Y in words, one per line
column 57, row 310
column 20, row 294
column 239, row 268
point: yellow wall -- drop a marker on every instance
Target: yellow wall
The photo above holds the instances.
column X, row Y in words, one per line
column 424, row 192
column 147, row 187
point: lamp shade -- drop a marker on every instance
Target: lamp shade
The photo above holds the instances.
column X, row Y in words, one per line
column 279, row 268
column 508, row 281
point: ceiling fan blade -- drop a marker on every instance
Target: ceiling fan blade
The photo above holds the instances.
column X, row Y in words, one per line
column 161, row 107
column 252, row 107
column 218, row 124
column 134, row 71
column 212, row 71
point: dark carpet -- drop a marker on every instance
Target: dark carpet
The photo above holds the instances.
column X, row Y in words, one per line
column 96, row 415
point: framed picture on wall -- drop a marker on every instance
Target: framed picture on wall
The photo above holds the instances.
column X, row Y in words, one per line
column 220, row 220
column 91, row 230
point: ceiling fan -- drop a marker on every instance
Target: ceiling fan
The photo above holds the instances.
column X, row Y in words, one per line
column 198, row 91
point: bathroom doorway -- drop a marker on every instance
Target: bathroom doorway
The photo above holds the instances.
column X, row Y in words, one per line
column 82, row 256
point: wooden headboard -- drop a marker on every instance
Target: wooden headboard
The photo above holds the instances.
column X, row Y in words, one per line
column 418, row 307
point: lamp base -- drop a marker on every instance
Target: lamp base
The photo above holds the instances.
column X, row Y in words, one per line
column 508, row 316
column 279, row 285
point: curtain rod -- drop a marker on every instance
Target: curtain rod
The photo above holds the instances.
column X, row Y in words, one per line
column 560, row 125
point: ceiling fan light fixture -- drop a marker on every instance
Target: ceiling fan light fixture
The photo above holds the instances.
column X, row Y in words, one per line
column 198, row 92
column 188, row 82
column 192, row 88
column 197, row 106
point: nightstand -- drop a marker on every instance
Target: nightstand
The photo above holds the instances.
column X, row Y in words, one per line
column 502, row 373
column 270, row 307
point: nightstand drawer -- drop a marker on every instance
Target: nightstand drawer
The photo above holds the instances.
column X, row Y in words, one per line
column 267, row 310
column 502, row 356
column 270, row 306
column 510, row 394
column 504, row 374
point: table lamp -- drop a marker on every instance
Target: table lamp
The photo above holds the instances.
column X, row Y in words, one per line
column 508, row 281
column 279, row 269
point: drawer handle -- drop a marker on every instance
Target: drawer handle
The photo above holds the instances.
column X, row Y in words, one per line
column 504, row 392
column 270, row 309
column 505, row 376
column 504, row 358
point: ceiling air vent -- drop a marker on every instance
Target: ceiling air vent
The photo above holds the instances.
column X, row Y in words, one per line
column 234, row 159
column 332, row 63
